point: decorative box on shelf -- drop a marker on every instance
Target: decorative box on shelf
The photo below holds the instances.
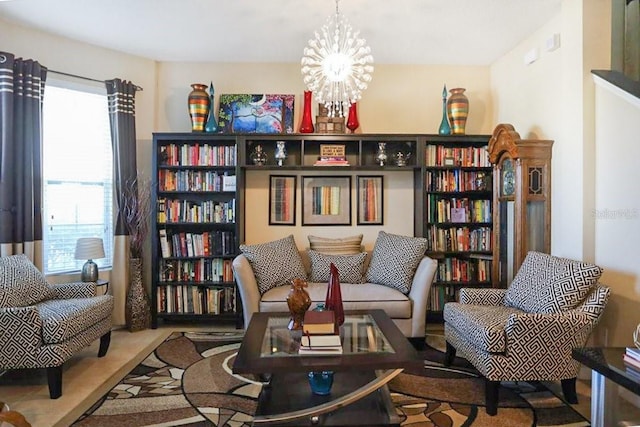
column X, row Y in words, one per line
column 326, row 124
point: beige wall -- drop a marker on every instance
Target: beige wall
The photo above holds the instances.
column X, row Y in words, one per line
column 617, row 211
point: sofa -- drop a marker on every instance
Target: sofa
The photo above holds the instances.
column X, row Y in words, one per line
column 42, row 325
column 527, row 332
column 395, row 276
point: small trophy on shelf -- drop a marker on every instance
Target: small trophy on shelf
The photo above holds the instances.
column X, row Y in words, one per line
column 381, row 155
column 258, row 156
column 281, row 152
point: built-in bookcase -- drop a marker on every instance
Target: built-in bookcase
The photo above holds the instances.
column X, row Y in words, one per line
column 196, row 229
column 453, row 211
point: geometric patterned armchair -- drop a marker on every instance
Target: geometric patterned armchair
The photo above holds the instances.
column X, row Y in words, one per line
column 42, row 325
column 527, row 332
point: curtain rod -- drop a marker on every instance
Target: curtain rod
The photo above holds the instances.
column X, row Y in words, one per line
column 84, row 78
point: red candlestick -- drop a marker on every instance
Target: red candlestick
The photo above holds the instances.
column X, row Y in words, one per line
column 333, row 300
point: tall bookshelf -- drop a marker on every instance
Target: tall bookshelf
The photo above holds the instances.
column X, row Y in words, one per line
column 453, row 194
column 196, row 227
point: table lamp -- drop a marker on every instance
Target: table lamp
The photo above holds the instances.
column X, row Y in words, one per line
column 89, row 248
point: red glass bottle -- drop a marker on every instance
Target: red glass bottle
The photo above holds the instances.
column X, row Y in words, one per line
column 307, row 122
column 333, row 301
column 352, row 120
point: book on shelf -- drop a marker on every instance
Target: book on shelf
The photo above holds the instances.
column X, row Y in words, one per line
column 164, row 243
column 631, row 361
column 633, row 352
column 320, row 345
column 228, row 183
column 319, row 322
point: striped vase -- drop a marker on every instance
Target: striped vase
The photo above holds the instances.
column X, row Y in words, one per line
column 199, row 104
column 457, row 110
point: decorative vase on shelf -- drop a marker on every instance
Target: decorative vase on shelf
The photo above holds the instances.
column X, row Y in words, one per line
column 458, row 110
column 307, row 121
column 137, row 306
column 298, row 302
column 212, row 123
column 333, row 300
column 444, row 129
column 199, row 105
column 281, row 152
column 352, row 119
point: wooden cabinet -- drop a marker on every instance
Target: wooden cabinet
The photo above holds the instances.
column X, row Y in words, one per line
column 522, row 206
column 195, row 229
column 453, row 196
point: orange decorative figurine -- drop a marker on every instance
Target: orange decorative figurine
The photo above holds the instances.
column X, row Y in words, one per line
column 298, row 301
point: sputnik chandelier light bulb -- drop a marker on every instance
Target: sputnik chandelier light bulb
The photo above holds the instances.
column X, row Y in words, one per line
column 337, row 65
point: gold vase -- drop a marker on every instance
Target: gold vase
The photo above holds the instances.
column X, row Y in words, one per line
column 299, row 302
column 137, row 309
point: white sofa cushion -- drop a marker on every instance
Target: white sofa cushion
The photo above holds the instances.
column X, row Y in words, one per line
column 394, row 260
column 275, row 263
column 360, row 296
column 350, row 267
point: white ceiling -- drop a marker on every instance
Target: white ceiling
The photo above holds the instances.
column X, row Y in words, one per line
column 398, row 31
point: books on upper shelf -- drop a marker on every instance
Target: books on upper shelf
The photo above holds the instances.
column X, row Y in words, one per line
column 632, row 357
column 319, row 322
column 320, row 345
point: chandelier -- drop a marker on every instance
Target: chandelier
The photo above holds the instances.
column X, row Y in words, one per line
column 337, row 65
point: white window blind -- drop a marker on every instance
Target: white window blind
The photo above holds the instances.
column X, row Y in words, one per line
column 77, row 170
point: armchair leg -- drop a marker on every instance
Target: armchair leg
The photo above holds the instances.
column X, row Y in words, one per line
column 449, row 355
column 569, row 390
column 54, row 377
column 105, row 340
column 491, row 390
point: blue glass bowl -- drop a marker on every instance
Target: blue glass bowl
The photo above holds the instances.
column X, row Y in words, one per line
column 321, row 382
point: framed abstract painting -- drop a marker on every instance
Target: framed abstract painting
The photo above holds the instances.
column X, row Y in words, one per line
column 326, row 200
column 282, row 200
column 256, row 113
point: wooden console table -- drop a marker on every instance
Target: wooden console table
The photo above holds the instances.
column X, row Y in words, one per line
column 608, row 371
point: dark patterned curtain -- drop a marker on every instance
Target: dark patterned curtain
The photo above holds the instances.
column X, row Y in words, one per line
column 121, row 95
column 21, row 94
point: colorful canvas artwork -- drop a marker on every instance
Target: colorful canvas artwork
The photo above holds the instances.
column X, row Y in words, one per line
column 257, row 113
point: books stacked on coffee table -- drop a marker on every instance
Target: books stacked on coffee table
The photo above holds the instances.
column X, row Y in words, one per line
column 632, row 362
column 319, row 337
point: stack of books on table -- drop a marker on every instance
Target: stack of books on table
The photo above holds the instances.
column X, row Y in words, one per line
column 632, row 362
column 319, row 334
column 331, row 161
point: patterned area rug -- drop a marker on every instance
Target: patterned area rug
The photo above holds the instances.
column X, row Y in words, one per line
column 187, row 381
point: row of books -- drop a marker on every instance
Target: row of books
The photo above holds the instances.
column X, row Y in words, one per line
column 207, row 211
column 463, row 270
column 208, row 243
column 439, row 155
column 201, row 270
column 458, row 209
column 197, row 155
column 195, row 299
column 459, row 239
column 440, row 295
column 632, row 361
column 455, row 180
column 195, row 180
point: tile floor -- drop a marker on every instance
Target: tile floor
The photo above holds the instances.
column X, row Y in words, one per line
column 86, row 378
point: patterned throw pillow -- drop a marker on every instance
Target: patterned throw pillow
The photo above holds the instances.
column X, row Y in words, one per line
column 394, row 260
column 21, row 283
column 275, row 263
column 549, row 284
column 349, row 266
column 339, row 246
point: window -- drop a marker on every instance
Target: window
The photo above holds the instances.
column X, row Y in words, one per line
column 77, row 171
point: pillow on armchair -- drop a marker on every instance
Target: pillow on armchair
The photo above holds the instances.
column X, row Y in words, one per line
column 549, row 284
column 21, row 283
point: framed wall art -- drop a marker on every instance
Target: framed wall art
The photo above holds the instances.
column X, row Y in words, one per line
column 282, row 200
column 256, row 113
column 370, row 200
column 326, row 200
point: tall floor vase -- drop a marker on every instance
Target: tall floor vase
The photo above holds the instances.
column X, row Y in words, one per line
column 137, row 309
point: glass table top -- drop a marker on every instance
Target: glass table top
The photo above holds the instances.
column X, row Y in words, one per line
column 359, row 334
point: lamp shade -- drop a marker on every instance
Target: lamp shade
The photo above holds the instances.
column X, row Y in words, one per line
column 89, row 248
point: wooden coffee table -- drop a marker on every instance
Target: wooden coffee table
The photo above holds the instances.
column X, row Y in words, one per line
column 374, row 352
